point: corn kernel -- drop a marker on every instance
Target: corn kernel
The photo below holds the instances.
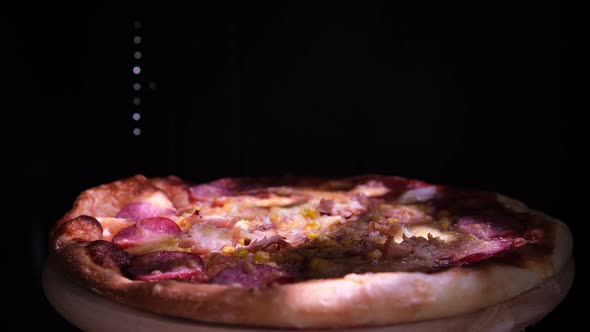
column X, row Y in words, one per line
column 313, row 225
column 228, row 250
column 262, row 257
column 243, row 224
column 392, row 220
column 242, row 252
column 309, row 213
column 312, row 235
column 241, row 241
column 274, row 217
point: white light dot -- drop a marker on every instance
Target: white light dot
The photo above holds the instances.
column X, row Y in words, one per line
column 137, row 55
column 137, row 39
column 137, row 24
column 136, row 116
column 136, row 131
column 136, row 86
column 136, row 101
column 136, row 70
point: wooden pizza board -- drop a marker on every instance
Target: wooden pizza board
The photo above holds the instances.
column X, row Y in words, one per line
column 94, row 313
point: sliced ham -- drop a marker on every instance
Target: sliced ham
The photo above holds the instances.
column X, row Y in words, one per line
column 141, row 210
column 162, row 265
column 326, row 206
column 347, row 209
column 147, row 230
column 250, row 275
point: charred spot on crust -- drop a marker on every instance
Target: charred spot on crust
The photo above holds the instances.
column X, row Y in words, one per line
column 82, row 228
column 108, row 255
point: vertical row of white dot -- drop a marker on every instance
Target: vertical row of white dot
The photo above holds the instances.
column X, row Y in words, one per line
column 136, row 71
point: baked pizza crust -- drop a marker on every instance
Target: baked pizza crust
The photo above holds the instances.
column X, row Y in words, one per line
column 370, row 299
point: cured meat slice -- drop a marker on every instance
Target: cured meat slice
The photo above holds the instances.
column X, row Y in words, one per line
column 147, row 230
column 163, row 265
column 488, row 227
column 433, row 251
column 471, row 252
column 108, row 255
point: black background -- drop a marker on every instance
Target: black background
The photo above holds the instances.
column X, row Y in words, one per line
column 467, row 96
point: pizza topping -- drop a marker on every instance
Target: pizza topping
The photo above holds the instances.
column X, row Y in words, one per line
column 403, row 214
column 216, row 220
column 253, row 234
column 475, row 251
column 344, row 208
column 141, row 210
column 434, row 251
column 421, row 247
column 112, row 226
column 204, row 238
column 146, row 231
column 419, row 195
column 205, row 192
column 371, row 188
column 268, row 198
column 108, row 255
column 250, row 275
column 162, row 265
column 269, row 243
column 488, row 227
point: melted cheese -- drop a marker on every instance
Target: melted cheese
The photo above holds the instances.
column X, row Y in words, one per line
column 423, row 231
column 112, row 226
column 341, row 231
column 159, row 199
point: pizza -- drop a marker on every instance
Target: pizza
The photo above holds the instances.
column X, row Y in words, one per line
column 305, row 252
